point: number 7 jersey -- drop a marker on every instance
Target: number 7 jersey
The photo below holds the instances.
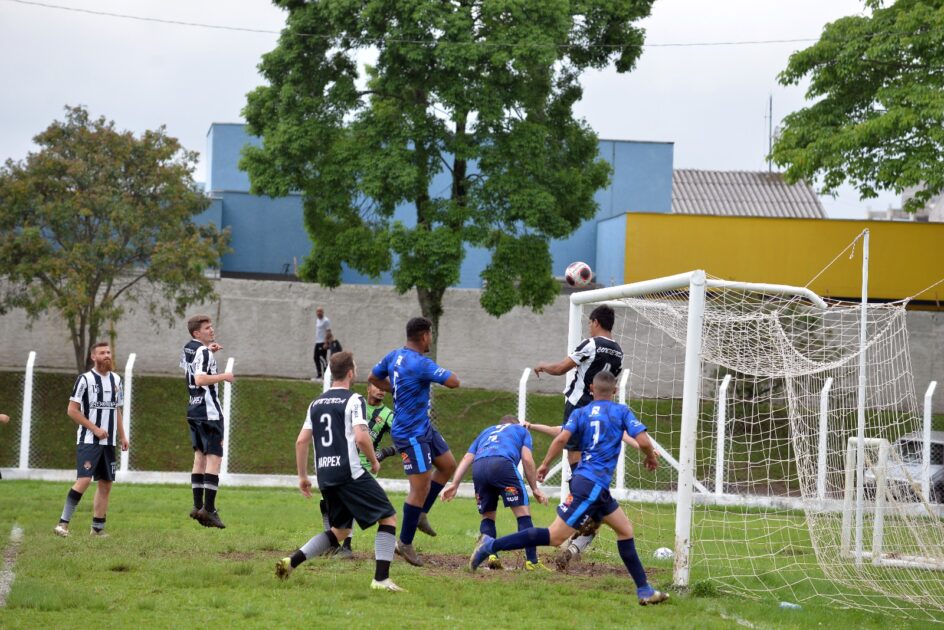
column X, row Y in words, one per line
column 331, row 418
column 599, row 428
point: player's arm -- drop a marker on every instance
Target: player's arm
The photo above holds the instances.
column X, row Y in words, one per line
column 122, row 438
column 301, row 461
column 554, row 369
column 450, row 492
column 4, row 418
column 631, row 441
column 542, row 428
column 645, row 445
column 201, row 380
column 75, row 412
column 366, row 445
column 531, row 474
column 553, row 452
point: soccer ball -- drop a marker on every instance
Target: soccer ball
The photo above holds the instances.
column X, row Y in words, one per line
column 578, row 274
column 662, row 553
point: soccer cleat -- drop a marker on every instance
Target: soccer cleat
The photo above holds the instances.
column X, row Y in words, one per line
column 210, row 519
column 408, row 553
column 344, row 553
column 62, row 529
column 565, row 557
column 195, row 514
column 483, row 549
column 424, row 526
column 535, row 566
column 386, row 585
column 494, row 563
column 98, row 533
column 650, row 597
column 283, row 568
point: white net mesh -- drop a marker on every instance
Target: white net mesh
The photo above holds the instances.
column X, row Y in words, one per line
column 775, row 513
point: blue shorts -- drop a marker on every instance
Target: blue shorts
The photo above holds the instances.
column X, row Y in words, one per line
column 587, row 500
column 494, row 477
column 418, row 453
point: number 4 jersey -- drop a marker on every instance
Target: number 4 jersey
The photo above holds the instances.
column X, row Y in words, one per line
column 332, row 418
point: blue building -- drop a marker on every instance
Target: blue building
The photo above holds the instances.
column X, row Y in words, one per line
column 269, row 237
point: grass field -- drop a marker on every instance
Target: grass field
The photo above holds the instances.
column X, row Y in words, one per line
column 159, row 569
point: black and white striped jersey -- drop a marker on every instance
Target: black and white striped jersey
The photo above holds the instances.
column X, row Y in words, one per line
column 204, row 401
column 592, row 355
column 331, row 418
column 99, row 397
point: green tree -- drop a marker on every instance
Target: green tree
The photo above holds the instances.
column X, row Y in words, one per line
column 466, row 115
column 94, row 214
column 878, row 117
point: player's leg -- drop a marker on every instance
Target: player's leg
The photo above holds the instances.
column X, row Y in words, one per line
column 369, row 504
column 340, row 521
column 531, row 537
column 514, row 495
column 212, row 431
column 417, row 464
column 199, row 467
column 523, row 515
column 384, row 546
column 100, row 506
column 344, row 552
column 444, row 465
column 620, row 524
column 82, row 481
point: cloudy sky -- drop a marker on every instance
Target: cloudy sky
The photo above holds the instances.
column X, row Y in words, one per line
column 711, row 101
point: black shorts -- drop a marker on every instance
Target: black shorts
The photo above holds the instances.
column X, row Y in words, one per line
column 361, row 500
column 573, row 444
column 95, row 461
column 206, row 436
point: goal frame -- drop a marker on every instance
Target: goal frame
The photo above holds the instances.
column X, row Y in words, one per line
column 697, row 284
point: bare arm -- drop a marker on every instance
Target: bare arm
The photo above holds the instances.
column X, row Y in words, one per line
column 366, row 446
column 301, row 461
column 543, row 428
column 466, row 461
column 530, row 473
column 553, row 452
column 452, row 382
column 645, row 445
column 75, row 412
column 630, row 441
column 554, row 369
column 122, row 439
column 201, row 380
column 382, row 383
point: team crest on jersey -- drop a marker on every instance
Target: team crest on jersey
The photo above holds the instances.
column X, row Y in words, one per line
column 511, row 490
column 566, row 504
column 87, row 465
column 405, row 458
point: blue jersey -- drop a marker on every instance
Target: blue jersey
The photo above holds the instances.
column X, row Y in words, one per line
column 599, row 428
column 410, row 375
column 501, row 440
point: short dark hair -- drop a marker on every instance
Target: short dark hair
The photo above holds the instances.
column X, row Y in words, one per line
column 97, row 344
column 604, row 380
column 341, row 363
column 605, row 316
column 416, row 327
column 196, row 322
column 508, row 419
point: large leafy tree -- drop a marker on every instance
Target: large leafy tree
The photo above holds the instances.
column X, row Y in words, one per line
column 466, row 116
column 94, row 214
column 878, row 118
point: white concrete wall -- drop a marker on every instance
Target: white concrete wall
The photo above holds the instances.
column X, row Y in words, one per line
column 269, row 327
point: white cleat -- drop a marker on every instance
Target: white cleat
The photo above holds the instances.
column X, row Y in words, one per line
column 61, row 530
column 386, row 585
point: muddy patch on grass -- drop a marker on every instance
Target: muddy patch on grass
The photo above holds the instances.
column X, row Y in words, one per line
column 452, row 563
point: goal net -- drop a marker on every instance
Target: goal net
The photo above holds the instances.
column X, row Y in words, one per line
column 784, row 474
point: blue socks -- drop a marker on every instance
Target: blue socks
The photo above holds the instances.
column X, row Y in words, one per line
column 531, row 537
column 411, row 516
column 434, row 490
column 627, row 552
column 524, row 522
column 487, row 527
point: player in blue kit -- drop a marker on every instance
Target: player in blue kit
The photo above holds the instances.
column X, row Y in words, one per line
column 494, row 458
column 599, row 427
column 408, row 375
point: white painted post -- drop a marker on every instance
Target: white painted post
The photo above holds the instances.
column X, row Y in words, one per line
column 26, row 423
column 621, row 462
column 228, row 417
column 126, row 407
column 523, row 395
column 926, row 446
column 574, row 326
column 719, row 448
column 878, row 524
column 327, row 380
column 821, row 455
column 863, row 379
column 690, row 402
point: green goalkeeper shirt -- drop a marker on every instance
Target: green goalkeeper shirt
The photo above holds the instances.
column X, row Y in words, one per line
column 379, row 422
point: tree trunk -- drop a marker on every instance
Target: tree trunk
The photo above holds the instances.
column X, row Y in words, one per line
column 431, row 308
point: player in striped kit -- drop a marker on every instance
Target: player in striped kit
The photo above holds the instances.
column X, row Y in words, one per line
column 95, row 405
column 336, row 425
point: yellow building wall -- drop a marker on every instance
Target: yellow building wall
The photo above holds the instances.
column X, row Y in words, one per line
column 904, row 257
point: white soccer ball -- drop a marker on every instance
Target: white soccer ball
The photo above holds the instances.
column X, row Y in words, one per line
column 662, row 553
column 578, row 274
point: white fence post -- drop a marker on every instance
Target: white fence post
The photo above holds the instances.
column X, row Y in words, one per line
column 327, row 380
column 621, row 462
column 574, row 326
column 926, row 447
column 227, row 416
column 126, row 408
column 719, row 448
column 523, row 395
column 27, row 411
column 821, row 455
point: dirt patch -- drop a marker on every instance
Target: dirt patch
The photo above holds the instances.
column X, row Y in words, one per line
column 512, row 564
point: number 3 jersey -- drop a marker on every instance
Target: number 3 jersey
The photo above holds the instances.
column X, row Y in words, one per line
column 599, row 429
column 332, row 418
